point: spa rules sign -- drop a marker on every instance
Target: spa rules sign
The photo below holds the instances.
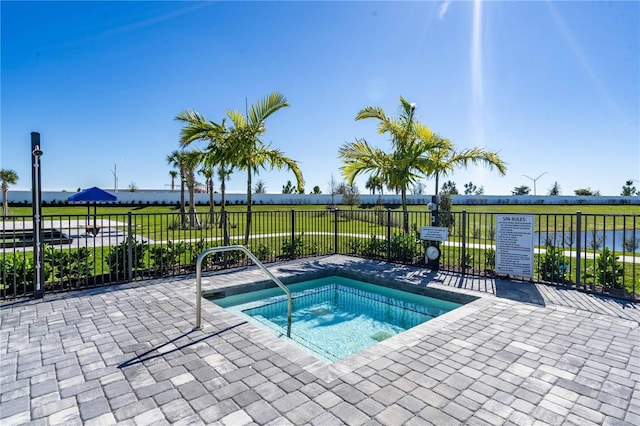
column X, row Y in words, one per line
column 514, row 244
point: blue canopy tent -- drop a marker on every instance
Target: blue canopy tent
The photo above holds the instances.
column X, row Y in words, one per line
column 96, row 195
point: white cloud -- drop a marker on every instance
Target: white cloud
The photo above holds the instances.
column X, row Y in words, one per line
column 444, row 7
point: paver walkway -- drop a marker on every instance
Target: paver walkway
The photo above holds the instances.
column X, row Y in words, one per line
column 520, row 354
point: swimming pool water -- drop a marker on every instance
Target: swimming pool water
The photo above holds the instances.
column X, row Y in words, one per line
column 334, row 317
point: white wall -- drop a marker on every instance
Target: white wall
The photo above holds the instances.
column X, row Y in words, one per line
column 168, row 197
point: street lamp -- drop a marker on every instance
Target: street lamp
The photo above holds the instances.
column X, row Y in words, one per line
column 534, row 180
column 115, row 176
column 36, row 189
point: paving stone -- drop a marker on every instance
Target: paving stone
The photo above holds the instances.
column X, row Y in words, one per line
column 218, row 411
column 305, row 413
column 430, row 397
column 15, row 406
column 370, row 406
column 198, row 404
column 269, row 391
column 150, row 417
column 176, row 410
column 327, row 419
column 437, row 417
column 94, row 408
column 327, row 399
column 261, row 412
column 128, row 412
column 349, row 393
column 67, row 416
column 393, row 415
column 484, row 417
column 103, row 420
column 388, row 395
column 290, row 402
column 349, row 414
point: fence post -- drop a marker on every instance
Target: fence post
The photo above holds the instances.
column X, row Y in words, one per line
column 464, row 242
column 129, row 249
column 335, row 231
column 388, row 235
column 578, row 248
column 293, row 235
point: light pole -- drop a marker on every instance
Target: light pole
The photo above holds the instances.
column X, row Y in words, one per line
column 36, row 153
column 534, row 180
column 115, row 176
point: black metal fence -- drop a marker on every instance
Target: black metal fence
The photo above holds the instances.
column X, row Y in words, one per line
column 596, row 253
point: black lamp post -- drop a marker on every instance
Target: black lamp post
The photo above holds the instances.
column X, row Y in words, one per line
column 36, row 192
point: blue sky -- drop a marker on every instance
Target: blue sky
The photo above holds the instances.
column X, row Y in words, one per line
column 552, row 86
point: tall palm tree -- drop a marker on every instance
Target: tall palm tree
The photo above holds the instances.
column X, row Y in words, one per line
column 405, row 164
column 208, row 172
column 173, row 175
column 191, row 161
column 8, row 177
column 260, row 187
column 218, row 151
column 177, row 159
column 374, row 184
column 445, row 160
column 252, row 153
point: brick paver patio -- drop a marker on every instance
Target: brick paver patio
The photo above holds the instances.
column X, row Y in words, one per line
column 521, row 354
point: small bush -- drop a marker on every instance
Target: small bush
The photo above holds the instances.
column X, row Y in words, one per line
column 74, row 267
column 165, row 259
column 553, row 266
column 490, row 259
column 404, row 247
column 607, row 270
column 118, row 257
column 263, row 252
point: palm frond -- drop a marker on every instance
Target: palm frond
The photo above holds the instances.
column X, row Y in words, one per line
column 371, row 112
column 259, row 112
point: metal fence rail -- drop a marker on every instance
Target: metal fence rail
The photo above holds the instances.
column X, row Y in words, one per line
column 596, row 253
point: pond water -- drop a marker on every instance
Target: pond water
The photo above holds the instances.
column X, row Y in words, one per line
column 614, row 240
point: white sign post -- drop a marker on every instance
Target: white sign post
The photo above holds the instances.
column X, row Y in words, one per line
column 514, row 244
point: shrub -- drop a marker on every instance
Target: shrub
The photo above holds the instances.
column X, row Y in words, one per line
column 403, row 247
column 490, row 258
column 118, row 257
column 263, row 252
column 355, row 246
column 296, row 246
column 69, row 266
column 18, row 270
column 375, row 247
column 607, row 270
column 553, row 266
column 165, row 258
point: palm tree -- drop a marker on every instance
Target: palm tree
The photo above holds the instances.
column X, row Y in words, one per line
column 191, row 161
column 411, row 141
column 445, row 160
column 252, row 153
column 177, row 159
column 374, row 184
column 218, row 152
column 8, row 177
column 207, row 172
column 173, row 175
column 260, row 187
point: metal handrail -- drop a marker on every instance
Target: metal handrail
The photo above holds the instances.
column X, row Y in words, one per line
column 256, row 261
